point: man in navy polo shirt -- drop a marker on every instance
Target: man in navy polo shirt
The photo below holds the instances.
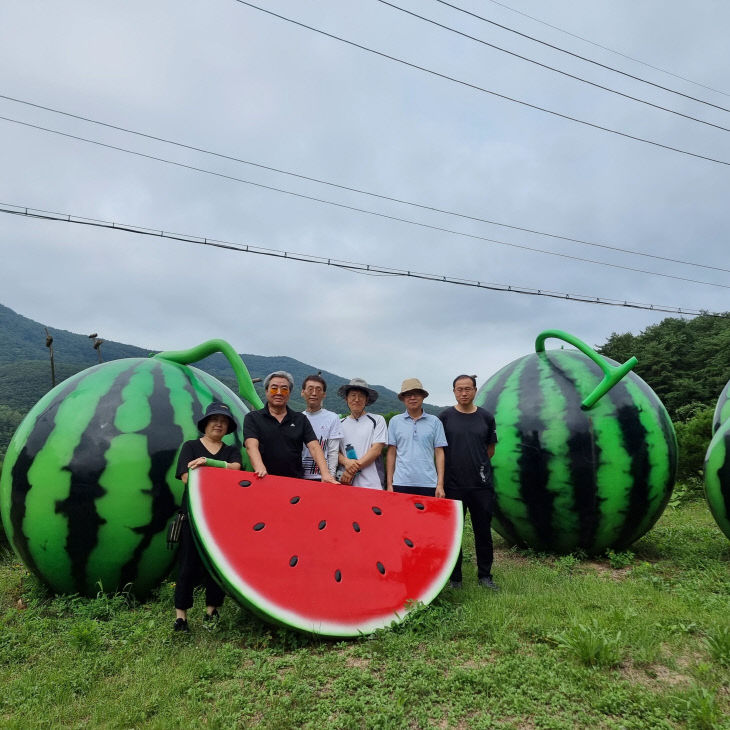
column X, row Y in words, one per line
column 275, row 435
column 416, row 440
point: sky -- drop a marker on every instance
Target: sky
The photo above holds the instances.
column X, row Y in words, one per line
column 224, row 77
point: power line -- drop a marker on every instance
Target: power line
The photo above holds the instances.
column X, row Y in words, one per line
column 360, row 191
column 475, row 87
column 553, row 68
column 610, row 50
column 576, row 55
column 360, row 210
column 26, row 212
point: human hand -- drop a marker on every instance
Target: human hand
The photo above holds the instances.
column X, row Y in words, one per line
column 352, row 466
column 329, row 479
column 346, row 478
column 261, row 473
column 195, row 463
column 440, row 491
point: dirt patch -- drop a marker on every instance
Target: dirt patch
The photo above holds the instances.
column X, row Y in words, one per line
column 654, row 675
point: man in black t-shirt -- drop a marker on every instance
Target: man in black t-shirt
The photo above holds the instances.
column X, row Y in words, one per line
column 472, row 436
column 275, row 435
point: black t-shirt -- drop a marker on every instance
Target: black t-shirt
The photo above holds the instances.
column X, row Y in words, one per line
column 280, row 444
column 194, row 450
column 467, row 461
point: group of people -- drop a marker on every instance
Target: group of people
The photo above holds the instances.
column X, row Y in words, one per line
column 448, row 456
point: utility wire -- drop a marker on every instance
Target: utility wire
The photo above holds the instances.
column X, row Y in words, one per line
column 361, row 191
column 356, row 267
column 575, row 55
column 605, row 48
column 552, row 68
column 359, row 210
column 475, row 87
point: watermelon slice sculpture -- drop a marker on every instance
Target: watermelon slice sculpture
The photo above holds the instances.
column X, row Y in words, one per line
column 327, row 559
column 88, row 484
column 587, row 453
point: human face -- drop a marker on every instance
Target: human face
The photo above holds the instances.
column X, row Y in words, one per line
column 277, row 394
column 313, row 394
column 464, row 391
column 216, row 427
column 413, row 401
column 356, row 400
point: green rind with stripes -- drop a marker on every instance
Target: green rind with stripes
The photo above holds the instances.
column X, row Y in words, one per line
column 717, row 477
column 722, row 409
column 569, row 479
column 88, row 484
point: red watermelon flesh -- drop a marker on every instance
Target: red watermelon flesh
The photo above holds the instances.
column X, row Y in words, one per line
column 324, row 558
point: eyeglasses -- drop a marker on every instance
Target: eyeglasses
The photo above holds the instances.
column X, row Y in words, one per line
column 279, row 388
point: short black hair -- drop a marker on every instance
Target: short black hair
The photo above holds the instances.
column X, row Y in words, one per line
column 317, row 379
column 473, row 379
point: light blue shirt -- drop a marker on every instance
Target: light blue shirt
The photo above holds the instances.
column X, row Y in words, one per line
column 415, row 441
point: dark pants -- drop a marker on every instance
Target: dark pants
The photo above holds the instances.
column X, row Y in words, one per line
column 480, row 503
column 191, row 572
column 422, row 491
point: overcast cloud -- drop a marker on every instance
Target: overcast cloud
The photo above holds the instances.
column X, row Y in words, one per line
column 221, row 76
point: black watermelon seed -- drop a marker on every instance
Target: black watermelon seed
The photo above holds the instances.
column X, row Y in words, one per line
column 244, row 483
column 294, row 500
column 356, row 527
column 408, row 542
column 381, row 568
column 338, row 576
column 377, row 510
column 419, row 505
column 322, row 524
column 259, row 526
column 293, row 560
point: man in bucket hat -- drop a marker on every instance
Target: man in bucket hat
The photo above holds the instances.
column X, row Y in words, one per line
column 363, row 436
column 416, row 441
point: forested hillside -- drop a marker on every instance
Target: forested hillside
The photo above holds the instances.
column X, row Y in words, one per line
column 25, row 371
column 686, row 361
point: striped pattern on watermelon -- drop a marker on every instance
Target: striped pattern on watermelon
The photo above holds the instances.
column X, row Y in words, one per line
column 567, row 478
column 717, row 477
column 722, row 409
column 327, row 559
column 88, row 483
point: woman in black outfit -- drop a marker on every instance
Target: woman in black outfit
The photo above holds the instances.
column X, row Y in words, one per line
column 214, row 425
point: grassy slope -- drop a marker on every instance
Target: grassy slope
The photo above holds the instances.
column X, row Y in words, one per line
column 474, row 659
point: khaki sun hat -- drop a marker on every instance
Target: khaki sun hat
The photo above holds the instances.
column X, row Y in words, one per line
column 411, row 384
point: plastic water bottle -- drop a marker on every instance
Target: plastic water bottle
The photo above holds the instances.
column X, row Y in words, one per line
column 350, row 452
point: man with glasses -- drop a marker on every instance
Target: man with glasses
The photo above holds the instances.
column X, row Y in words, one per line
column 472, row 436
column 416, row 441
column 326, row 425
column 364, row 436
column 275, row 435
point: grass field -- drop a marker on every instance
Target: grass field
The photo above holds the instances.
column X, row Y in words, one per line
column 634, row 640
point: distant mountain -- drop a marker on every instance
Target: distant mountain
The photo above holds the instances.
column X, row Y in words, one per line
column 25, row 374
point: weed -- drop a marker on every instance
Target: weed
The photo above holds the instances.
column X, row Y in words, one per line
column 567, row 563
column 718, row 644
column 85, row 635
column 619, row 560
column 701, row 708
column 591, row 645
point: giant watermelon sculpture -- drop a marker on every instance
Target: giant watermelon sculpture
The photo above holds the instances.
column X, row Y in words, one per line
column 722, row 409
column 326, row 559
column 717, row 464
column 88, row 483
column 587, row 454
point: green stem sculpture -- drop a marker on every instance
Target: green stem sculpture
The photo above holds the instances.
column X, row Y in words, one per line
column 612, row 374
column 245, row 385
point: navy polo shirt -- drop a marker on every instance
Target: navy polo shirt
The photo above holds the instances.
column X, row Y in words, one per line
column 280, row 444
